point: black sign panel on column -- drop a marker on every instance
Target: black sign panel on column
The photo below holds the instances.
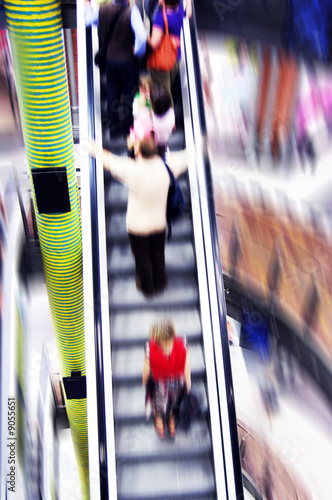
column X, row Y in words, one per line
column 51, row 188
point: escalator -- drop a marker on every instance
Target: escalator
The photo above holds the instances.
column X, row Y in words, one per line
column 145, row 465
column 202, row 462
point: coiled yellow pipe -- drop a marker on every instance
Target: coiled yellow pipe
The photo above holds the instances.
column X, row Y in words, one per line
column 36, row 36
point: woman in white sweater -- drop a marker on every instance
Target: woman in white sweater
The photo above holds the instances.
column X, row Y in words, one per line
column 148, row 182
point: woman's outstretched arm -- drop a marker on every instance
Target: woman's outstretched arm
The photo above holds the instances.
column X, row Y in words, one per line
column 118, row 166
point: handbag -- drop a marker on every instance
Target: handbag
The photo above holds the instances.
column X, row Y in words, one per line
column 164, row 57
column 189, row 408
column 175, row 201
column 100, row 57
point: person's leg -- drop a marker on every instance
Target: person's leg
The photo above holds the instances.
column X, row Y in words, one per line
column 159, row 408
column 174, row 73
column 140, row 247
column 129, row 85
column 159, row 426
column 113, row 97
column 157, row 252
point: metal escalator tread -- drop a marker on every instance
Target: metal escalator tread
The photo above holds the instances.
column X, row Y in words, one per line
column 133, row 328
column 179, row 257
column 148, row 468
column 139, row 442
column 177, row 479
column 181, row 291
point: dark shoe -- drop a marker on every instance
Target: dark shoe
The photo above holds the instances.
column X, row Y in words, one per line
column 161, row 288
column 139, row 288
column 138, row 284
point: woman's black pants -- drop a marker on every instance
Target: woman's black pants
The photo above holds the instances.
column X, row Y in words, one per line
column 149, row 253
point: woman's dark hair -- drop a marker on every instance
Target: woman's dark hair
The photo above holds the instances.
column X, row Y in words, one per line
column 147, row 147
column 172, row 3
column 160, row 100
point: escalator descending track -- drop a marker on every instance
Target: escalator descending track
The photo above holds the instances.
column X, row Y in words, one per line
column 147, row 467
column 193, row 465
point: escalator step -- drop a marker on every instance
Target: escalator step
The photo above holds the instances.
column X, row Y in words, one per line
column 140, row 442
column 134, row 327
column 181, row 291
column 192, row 479
column 176, row 142
column 145, row 465
column 117, row 146
column 116, row 196
column 179, row 258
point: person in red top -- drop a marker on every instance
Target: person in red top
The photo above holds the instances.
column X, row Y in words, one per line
column 166, row 362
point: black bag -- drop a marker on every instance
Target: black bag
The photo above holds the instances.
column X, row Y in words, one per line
column 175, row 202
column 189, row 408
column 100, row 57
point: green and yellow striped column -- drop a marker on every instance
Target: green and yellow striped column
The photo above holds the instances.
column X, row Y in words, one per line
column 36, row 36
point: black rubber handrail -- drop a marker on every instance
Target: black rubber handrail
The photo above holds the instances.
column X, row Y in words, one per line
column 98, row 333
column 217, row 269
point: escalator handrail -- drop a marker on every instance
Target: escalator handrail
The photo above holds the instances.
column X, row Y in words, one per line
column 100, row 423
column 98, row 331
column 216, row 279
column 204, row 301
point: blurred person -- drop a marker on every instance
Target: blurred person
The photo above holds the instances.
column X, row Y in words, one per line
column 151, row 8
column 142, row 98
column 142, row 113
column 125, row 44
column 148, row 182
column 139, row 4
column 163, row 119
column 175, row 13
column 284, row 99
column 166, row 368
column 256, row 349
column 307, row 28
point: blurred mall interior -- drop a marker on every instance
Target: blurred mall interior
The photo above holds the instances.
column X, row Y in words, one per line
column 249, row 264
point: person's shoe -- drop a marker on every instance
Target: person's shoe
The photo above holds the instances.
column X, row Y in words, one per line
column 160, row 289
column 138, row 284
column 139, row 288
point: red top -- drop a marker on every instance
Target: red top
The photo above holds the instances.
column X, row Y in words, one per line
column 163, row 366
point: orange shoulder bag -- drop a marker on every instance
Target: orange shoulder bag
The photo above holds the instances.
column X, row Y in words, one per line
column 164, row 57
